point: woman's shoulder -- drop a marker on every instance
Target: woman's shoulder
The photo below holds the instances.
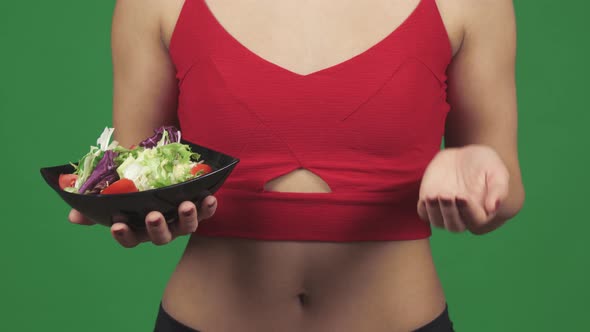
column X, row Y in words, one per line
column 469, row 12
column 148, row 16
column 140, row 11
column 469, row 17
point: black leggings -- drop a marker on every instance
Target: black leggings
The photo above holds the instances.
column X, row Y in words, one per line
column 166, row 323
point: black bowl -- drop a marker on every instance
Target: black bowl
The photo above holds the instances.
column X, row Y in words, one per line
column 132, row 208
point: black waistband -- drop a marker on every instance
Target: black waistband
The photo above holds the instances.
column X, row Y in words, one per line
column 442, row 323
column 166, row 323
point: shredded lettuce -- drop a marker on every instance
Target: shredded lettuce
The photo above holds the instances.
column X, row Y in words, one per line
column 158, row 161
column 160, row 166
column 105, row 138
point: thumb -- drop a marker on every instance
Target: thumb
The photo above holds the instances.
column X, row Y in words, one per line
column 496, row 190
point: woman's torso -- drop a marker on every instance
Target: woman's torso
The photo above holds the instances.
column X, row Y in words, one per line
column 224, row 284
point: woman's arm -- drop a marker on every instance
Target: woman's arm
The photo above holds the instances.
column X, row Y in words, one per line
column 482, row 94
column 145, row 95
column 145, row 89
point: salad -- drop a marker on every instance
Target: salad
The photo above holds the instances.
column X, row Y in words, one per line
column 158, row 161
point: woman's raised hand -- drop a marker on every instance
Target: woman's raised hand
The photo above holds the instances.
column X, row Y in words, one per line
column 463, row 188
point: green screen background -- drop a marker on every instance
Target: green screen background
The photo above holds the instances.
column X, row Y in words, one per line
column 55, row 98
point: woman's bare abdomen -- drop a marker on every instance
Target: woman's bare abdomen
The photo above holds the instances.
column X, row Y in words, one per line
column 226, row 284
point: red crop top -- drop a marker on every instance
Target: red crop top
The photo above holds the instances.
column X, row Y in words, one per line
column 367, row 126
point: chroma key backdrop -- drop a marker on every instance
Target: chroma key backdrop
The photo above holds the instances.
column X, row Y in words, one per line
column 55, row 98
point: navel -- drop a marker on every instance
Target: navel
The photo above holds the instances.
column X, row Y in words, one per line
column 303, row 298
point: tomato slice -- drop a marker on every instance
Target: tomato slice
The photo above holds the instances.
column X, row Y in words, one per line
column 67, row 180
column 204, row 167
column 122, row 186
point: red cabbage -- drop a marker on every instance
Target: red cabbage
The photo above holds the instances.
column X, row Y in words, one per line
column 173, row 136
column 105, row 182
column 106, row 170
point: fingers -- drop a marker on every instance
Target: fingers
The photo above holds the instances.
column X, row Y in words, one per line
column 158, row 231
column 76, row 217
column 208, row 207
column 443, row 213
column 434, row 214
column 422, row 212
column 157, row 228
column 450, row 215
column 187, row 221
column 125, row 236
column 161, row 232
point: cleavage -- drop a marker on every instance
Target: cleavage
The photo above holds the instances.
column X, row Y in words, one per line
column 307, row 37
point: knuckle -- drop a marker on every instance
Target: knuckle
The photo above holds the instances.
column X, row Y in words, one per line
column 432, row 201
column 446, row 198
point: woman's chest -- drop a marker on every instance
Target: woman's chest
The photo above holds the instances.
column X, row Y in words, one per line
column 300, row 36
column 353, row 78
